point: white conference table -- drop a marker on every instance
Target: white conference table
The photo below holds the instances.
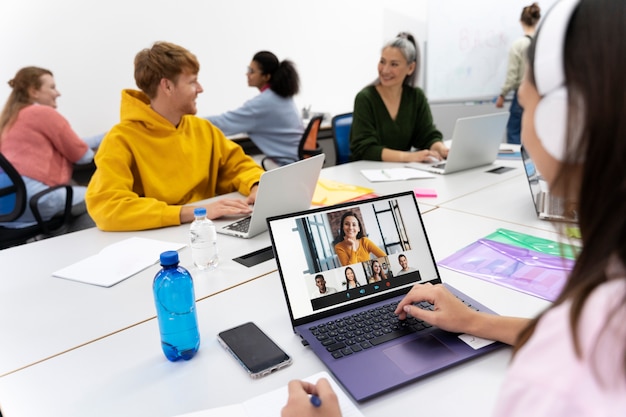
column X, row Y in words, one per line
column 509, row 200
column 41, row 316
column 56, row 315
column 448, row 187
column 126, row 374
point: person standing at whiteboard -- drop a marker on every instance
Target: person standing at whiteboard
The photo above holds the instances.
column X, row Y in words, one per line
column 271, row 119
column 515, row 71
column 392, row 116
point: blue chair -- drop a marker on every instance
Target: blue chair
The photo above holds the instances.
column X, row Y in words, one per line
column 341, row 125
column 13, row 203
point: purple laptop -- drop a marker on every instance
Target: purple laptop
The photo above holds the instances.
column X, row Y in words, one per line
column 342, row 306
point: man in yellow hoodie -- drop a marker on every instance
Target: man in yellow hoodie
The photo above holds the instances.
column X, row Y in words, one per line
column 161, row 157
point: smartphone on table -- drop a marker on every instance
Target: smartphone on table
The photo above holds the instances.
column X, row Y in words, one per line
column 254, row 350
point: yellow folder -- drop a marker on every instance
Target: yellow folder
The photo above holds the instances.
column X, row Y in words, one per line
column 329, row 192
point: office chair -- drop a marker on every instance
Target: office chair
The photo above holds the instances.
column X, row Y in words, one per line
column 307, row 147
column 13, row 201
column 341, row 125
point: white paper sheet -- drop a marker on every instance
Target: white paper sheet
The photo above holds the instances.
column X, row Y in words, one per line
column 118, row 261
column 394, row 174
column 271, row 403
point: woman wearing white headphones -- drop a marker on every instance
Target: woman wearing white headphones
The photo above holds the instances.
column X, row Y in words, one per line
column 571, row 360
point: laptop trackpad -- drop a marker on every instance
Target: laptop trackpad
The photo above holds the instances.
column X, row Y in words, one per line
column 417, row 355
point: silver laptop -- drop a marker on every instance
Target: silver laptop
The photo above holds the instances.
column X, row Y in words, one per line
column 344, row 313
column 282, row 190
column 475, row 142
column 547, row 206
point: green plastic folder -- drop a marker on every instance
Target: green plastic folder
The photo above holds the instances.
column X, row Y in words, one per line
column 545, row 246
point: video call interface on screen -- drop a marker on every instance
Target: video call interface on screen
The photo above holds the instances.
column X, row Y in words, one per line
column 308, row 250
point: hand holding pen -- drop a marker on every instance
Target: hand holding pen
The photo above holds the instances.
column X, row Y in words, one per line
column 307, row 399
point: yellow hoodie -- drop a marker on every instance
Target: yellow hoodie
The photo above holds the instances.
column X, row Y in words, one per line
column 148, row 168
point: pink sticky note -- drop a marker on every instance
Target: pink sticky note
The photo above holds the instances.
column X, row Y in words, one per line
column 425, row 192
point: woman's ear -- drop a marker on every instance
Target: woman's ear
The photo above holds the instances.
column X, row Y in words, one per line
column 33, row 94
column 412, row 67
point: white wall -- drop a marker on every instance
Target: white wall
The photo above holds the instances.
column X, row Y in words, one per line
column 90, row 46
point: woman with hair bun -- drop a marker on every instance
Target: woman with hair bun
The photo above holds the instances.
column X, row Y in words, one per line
column 271, row 119
column 391, row 116
column 515, row 71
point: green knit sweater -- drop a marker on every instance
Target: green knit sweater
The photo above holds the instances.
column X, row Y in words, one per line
column 373, row 129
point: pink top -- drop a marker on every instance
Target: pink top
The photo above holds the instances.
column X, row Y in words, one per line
column 41, row 145
column 546, row 378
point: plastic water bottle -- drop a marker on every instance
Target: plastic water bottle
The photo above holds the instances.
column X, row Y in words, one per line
column 203, row 238
column 176, row 309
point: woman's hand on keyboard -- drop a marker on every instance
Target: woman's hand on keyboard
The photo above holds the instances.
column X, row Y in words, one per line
column 449, row 313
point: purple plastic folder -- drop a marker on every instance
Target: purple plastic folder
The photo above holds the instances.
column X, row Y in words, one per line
column 518, row 268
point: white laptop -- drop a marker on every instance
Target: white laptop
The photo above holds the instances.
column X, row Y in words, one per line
column 282, row 190
column 475, row 142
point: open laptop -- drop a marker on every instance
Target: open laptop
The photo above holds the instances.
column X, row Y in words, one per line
column 475, row 142
column 367, row 363
column 282, row 190
column 547, row 206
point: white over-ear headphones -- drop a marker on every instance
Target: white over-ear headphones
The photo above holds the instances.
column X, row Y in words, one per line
column 551, row 112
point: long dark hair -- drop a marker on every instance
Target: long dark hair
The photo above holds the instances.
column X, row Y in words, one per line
column 284, row 79
column 593, row 61
column 356, row 281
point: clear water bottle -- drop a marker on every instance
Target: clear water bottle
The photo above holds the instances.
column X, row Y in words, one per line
column 203, row 238
column 176, row 309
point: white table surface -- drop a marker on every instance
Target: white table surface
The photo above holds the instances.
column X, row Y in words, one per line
column 509, row 200
column 126, row 374
column 448, row 187
column 41, row 316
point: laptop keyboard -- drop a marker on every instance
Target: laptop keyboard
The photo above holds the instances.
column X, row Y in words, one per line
column 241, row 225
column 361, row 331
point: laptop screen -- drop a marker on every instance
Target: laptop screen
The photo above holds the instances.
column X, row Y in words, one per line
column 324, row 270
column 536, row 183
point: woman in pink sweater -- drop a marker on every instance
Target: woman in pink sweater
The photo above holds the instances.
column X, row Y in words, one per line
column 40, row 143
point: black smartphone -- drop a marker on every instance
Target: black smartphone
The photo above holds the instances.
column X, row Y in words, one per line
column 256, row 352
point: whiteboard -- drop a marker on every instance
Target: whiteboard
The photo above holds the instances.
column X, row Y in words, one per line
column 467, row 46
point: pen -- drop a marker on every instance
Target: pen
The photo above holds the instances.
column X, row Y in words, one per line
column 315, row 400
column 385, row 173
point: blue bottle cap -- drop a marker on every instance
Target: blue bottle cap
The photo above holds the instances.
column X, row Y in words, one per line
column 199, row 211
column 169, row 257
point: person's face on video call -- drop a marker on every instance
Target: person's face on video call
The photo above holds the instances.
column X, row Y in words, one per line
column 321, row 284
column 403, row 262
column 351, row 227
column 393, row 67
column 349, row 275
column 376, row 268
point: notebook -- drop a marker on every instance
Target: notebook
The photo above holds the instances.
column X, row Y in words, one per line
column 547, row 206
column 375, row 362
column 475, row 142
column 282, row 190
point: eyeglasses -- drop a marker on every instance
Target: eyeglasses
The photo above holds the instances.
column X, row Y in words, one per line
column 251, row 71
